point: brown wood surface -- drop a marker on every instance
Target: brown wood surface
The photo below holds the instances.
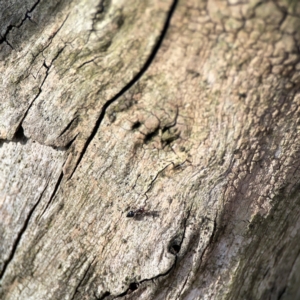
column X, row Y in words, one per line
column 185, row 113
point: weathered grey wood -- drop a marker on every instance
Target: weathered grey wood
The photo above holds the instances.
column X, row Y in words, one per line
column 187, row 110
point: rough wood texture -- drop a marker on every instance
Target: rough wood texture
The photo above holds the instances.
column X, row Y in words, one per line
column 188, row 110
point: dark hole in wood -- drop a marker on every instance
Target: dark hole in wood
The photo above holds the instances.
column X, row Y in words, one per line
column 175, row 244
column 136, row 125
column 19, row 135
column 174, row 249
column 150, row 136
column 133, row 286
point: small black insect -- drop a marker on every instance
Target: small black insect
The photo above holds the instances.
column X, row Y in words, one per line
column 130, row 214
column 136, row 213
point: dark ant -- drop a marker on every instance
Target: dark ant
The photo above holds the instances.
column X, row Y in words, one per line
column 136, row 213
column 139, row 213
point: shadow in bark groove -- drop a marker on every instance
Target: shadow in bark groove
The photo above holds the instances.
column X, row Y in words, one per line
column 74, row 120
column 127, row 87
column 54, row 193
column 19, row 136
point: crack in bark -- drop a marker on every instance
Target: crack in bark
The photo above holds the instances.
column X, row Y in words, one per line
column 173, row 123
column 147, row 279
column 87, row 62
column 175, row 166
column 281, row 293
column 52, row 36
column 212, row 237
column 10, row 27
column 181, row 244
column 20, row 234
column 68, row 126
column 53, row 193
column 40, row 88
column 153, row 180
column 82, row 279
column 68, row 145
column 184, row 226
column 46, row 75
column 128, row 85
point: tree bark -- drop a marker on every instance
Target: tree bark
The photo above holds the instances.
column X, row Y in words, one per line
column 149, row 149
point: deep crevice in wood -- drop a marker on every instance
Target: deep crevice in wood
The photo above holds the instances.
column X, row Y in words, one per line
column 128, row 86
column 54, row 192
column 20, row 234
